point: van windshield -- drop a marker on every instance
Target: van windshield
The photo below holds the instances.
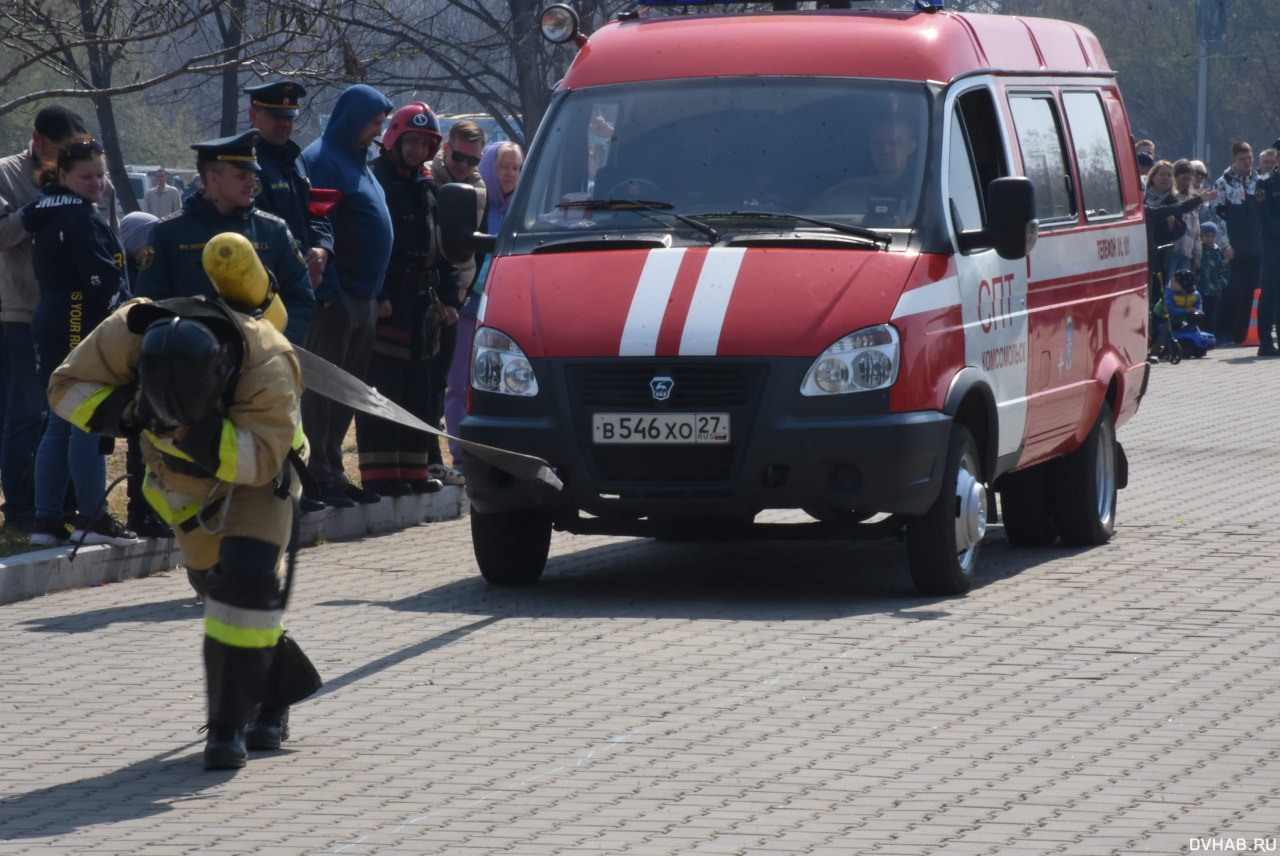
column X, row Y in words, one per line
column 846, row 151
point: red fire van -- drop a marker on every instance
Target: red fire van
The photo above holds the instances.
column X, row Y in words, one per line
column 871, row 265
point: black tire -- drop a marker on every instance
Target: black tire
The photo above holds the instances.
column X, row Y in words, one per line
column 943, row 543
column 1026, row 507
column 1085, row 487
column 511, row 546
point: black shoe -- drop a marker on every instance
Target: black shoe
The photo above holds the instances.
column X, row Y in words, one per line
column 148, row 525
column 268, row 731
column 389, row 487
column 426, row 485
column 362, row 495
column 103, row 529
column 308, row 504
column 224, row 748
column 337, row 498
column 1269, row 352
column 48, row 532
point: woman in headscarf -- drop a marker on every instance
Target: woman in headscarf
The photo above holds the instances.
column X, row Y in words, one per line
column 500, row 166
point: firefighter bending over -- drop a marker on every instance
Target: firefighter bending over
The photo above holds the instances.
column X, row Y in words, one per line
column 213, row 389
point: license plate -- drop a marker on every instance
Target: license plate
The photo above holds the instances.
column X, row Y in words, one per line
column 660, row 428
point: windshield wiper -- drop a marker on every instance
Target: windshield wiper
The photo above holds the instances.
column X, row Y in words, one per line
column 642, row 206
column 846, row 228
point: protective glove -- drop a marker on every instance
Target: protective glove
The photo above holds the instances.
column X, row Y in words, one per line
column 202, row 441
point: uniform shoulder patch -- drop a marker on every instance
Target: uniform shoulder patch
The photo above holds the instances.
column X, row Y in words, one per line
column 146, row 256
column 267, row 215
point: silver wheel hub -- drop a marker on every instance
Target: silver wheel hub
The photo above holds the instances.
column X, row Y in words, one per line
column 971, row 510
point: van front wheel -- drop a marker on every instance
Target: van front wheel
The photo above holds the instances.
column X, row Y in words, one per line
column 943, row 543
column 511, row 546
column 1085, row 488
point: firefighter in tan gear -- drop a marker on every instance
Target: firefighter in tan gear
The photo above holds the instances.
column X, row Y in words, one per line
column 213, row 388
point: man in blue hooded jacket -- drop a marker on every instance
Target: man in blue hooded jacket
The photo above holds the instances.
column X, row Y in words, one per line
column 342, row 329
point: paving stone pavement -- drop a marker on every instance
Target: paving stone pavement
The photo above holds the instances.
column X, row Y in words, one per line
column 743, row 698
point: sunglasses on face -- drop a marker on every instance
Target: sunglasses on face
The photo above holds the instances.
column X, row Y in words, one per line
column 469, row 160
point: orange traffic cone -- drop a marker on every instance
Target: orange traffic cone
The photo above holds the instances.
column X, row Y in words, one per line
column 1252, row 338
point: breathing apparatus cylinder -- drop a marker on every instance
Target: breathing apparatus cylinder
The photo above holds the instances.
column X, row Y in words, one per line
column 240, row 279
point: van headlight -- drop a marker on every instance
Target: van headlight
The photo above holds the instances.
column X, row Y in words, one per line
column 867, row 359
column 498, row 365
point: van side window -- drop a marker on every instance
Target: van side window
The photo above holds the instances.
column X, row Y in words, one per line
column 1095, row 155
column 962, row 185
column 976, row 157
column 1035, row 120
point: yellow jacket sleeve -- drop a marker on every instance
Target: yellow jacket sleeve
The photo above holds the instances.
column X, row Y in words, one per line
column 95, row 387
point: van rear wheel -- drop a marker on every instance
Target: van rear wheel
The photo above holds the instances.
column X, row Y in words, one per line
column 943, row 543
column 1086, row 485
column 1026, row 508
column 511, row 547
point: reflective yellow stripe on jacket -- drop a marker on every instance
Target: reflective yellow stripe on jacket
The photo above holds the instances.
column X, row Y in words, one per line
column 236, row 461
column 83, row 400
column 173, row 508
column 242, row 628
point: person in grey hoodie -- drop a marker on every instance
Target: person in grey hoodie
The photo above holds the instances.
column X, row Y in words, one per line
column 342, row 329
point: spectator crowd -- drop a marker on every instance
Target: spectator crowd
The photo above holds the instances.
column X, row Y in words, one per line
column 1225, row 230
column 347, row 230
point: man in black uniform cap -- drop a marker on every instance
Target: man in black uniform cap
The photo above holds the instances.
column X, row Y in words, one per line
column 286, row 190
column 171, row 266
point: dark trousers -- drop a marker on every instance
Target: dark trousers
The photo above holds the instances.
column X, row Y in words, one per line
column 342, row 333
column 388, row 450
column 25, row 404
column 1269, row 300
column 1239, row 296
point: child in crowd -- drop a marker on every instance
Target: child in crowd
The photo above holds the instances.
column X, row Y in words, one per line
column 1213, row 276
column 1182, row 302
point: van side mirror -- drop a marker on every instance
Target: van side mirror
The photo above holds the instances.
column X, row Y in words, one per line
column 459, row 239
column 1012, row 227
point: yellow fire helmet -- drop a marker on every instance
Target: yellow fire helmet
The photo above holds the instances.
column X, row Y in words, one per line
column 240, row 279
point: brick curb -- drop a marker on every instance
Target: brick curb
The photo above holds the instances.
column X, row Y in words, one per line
column 41, row 572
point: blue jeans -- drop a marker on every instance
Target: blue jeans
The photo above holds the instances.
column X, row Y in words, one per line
column 68, row 454
column 26, row 403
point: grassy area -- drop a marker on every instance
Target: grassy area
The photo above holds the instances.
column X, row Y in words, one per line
column 13, row 542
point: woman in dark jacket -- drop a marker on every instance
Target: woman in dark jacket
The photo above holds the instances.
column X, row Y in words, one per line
column 1164, row 211
column 79, row 264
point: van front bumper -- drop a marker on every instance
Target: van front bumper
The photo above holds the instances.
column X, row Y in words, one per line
column 835, row 453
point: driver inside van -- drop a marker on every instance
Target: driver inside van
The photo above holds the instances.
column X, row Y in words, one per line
column 884, row 193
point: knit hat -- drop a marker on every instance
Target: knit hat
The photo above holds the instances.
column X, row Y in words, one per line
column 1208, row 227
column 58, row 122
column 134, row 230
